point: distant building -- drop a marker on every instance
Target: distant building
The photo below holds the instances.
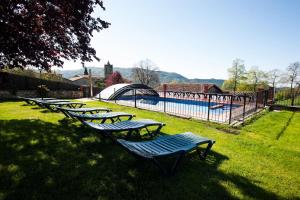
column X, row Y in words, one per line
column 108, row 70
column 84, row 80
column 193, row 87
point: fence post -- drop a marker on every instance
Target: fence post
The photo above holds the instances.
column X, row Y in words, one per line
column 256, row 101
column 266, row 97
column 208, row 107
column 244, row 107
column 164, row 101
column 135, row 98
column 230, row 110
column 293, row 97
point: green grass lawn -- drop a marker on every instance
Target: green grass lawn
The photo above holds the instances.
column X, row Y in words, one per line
column 45, row 156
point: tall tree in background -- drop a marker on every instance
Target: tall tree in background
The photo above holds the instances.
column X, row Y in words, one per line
column 236, row 73
column 85, row 71
column 293, row 73
column 43, row 33
column 255, row 77
column 114, row 78
column 273, row 77
column 145, row 72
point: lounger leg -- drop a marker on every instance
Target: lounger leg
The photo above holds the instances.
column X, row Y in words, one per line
column 176, row 163
column 172, row 170
column 158, row 129
column 128, row 134
column 64, row 112
column 203, row 154
column 118, row 119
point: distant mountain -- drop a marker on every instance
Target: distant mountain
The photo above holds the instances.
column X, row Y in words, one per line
column 165, row 77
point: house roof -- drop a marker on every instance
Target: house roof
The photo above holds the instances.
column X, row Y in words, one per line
column 191, row 87
column 78, row 77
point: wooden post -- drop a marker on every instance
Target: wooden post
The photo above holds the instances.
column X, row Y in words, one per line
column 91, row 83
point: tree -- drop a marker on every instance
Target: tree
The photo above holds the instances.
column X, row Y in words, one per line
column 228, row 84
column 145, row 72
column 293, row 73
column 273, row 77
column 114, row 78
column 85, row 71
column 255, row 77
column 236, row 72
column 43, row 33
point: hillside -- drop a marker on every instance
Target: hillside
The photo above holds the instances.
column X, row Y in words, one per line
column 165, row 77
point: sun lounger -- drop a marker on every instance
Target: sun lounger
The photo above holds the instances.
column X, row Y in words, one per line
column 32, row 101
column 128, row 126
column 55, row 105
column 43, row 102
column 176, row 146
column 112, row 116
column 66, row 111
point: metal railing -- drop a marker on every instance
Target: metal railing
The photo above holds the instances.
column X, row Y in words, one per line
column 221, row 108
column 287, row 97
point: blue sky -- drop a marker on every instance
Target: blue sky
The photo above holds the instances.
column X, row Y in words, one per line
column 199, row 38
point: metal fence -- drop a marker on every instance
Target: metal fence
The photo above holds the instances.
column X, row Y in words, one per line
column 222, row 108
column 287, row 97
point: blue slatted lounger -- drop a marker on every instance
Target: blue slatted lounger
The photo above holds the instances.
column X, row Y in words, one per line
column 32, row 101
column 112, row 116
column 167, row 146
column 66, row 111
column 42, row 103
column 129, row 126
column 54, row 105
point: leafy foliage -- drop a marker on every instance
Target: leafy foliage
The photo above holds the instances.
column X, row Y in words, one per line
column 114, row 78
column 236, row 72
column 85, row 71
column 42, row 33
column 43, row 90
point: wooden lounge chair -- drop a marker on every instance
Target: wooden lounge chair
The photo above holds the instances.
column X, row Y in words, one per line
column 128, row 126
column 176, row 146
column 66, row 111
column 112, row 116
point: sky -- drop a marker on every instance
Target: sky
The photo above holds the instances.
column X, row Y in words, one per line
column 198, row 38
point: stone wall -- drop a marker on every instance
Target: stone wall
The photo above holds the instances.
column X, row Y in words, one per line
column 68, row 94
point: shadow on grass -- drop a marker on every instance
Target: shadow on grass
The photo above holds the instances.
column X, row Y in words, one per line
column 41, row 160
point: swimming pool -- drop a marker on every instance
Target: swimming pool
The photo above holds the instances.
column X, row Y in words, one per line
column 218, row 111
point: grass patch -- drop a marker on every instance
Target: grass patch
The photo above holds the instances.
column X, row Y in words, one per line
column 45, row 156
